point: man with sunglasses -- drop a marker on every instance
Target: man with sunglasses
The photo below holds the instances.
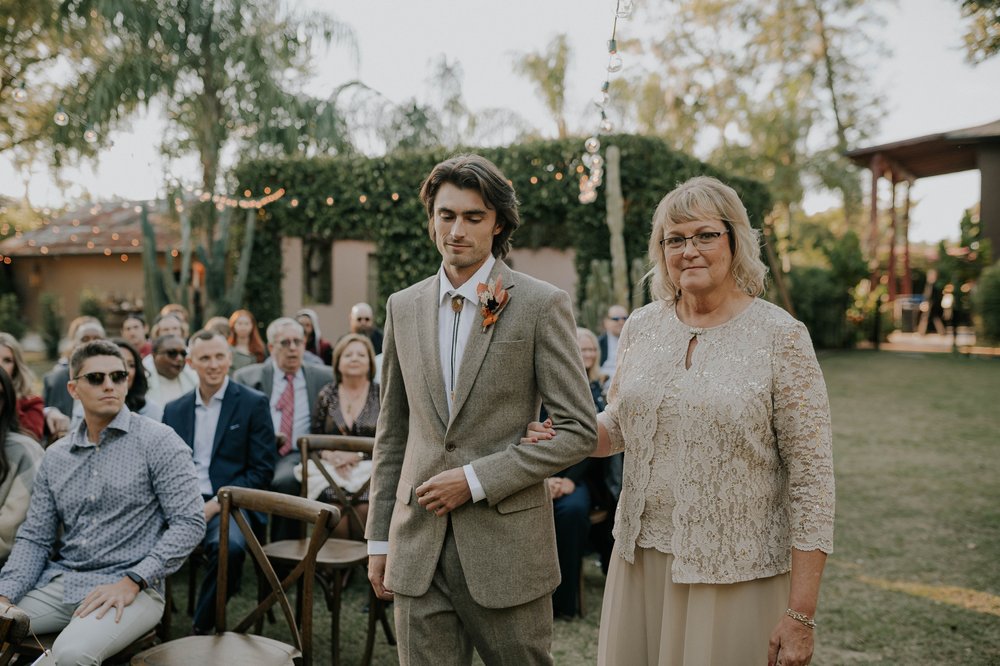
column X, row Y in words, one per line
column 167, row 370
column 363, row 323
column 292, row 388
column 614, row 322
column 114, row 510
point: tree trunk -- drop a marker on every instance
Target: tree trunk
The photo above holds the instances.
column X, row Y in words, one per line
column 616, row 226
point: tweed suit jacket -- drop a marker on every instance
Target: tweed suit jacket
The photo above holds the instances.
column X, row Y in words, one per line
column 260, row 377
column 506, row 542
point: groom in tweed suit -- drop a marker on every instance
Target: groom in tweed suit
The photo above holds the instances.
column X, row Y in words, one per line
column 460, row 526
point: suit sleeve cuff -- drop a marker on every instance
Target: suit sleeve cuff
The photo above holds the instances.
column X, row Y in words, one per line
column 478, row 494
column 378, row 547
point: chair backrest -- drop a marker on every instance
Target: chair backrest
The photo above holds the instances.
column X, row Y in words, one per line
column 312, row 446
column 323, row 518
column 13, row 629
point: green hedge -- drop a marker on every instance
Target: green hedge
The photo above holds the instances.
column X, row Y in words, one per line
column 551, row 215
column 986, row 299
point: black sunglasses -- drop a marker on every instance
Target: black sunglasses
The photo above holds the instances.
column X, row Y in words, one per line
column 97, row 378
column 174, row 353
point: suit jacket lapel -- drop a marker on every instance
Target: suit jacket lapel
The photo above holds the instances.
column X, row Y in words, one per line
column 426, row 308
column 267, row 378
column 478, row 344
column 225, row 416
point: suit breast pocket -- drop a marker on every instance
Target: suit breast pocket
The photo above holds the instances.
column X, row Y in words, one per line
column 511, row 359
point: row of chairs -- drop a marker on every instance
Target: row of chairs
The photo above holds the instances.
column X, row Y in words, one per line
column 314, row 557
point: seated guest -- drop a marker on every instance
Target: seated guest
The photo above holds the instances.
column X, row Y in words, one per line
column 169, row 324
column 362, row 321
column 315, row 344
column 114, row 510
column 244, row 338
column 348, row 406
column 218, row 324
column 59, row 404
column 292, row 388
column 138, row 385
column 176, row 310
column 229, row 428
column 168, row 374
column 30, row 406
column 134, row 330
column 19, row 459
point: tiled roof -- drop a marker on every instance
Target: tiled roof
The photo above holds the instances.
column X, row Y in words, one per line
column 108, row 229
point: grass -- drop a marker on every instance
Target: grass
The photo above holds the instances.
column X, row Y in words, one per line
column 914, row 579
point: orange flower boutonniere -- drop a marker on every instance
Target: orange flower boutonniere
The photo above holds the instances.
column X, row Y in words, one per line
column 493, row 299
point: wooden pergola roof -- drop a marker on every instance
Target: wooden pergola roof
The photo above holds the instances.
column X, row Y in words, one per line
column 934, row 154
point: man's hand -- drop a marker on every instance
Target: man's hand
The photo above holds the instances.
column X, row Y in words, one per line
column 4, row 601
column 212, row 509
column 376, row 576
column 56, row 421
column 105, row 597
column 444, row 492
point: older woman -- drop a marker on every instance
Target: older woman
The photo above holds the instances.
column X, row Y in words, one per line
column 349, row 406
column 30, row 407
column 726, row 511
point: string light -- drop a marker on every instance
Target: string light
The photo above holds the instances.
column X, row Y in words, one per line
column 591, row 159
column 61, row 118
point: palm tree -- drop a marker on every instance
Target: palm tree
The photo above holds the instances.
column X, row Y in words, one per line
column 548, row 72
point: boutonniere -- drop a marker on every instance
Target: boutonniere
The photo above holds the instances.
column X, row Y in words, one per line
column 493, row 299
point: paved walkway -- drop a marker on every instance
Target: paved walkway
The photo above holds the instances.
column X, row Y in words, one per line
column 935, row 343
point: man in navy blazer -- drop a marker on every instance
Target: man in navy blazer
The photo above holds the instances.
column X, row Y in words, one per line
column 229, row 428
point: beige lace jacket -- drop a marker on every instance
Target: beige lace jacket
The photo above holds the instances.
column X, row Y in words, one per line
column 728, row 464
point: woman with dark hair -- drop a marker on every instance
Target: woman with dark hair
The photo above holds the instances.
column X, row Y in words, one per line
column 315, row 343
column 244, row 338
column 19, row 459
column 30, row 406
column 136, row 399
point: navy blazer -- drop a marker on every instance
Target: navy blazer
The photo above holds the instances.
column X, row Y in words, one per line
column 244, row 451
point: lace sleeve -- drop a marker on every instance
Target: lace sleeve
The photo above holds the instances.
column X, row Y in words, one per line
column 802, row 427
column 609, row 417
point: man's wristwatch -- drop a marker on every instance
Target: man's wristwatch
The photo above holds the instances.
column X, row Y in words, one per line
column 137, row 579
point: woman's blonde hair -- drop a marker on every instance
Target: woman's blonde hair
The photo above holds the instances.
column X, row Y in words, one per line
column 706, row 198
column 338, row 351
column 23, row 378
column 594, row 371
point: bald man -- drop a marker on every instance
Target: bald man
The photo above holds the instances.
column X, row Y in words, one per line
column 363, row 322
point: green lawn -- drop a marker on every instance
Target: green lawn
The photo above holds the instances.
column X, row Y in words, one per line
column 915, row 577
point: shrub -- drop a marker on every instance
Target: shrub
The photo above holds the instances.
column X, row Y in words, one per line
column 986, row 301
column 11, row 320
column 52, row 324
column 820, row 303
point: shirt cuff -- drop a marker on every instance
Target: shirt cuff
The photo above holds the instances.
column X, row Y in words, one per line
column 478, row 494
column 378, row 547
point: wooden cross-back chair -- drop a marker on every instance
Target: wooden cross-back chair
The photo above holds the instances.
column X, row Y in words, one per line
column 236, row 646
column 338, row 556
column 13, row 630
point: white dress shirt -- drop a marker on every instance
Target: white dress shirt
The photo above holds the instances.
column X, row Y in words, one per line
column 302, row 421
column 608, row 367
column 206, row 422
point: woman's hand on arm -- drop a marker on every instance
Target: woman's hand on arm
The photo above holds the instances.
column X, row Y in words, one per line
column 792, row 641
column 541, row 431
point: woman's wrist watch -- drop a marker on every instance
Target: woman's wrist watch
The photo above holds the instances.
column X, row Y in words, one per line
column 137, row 579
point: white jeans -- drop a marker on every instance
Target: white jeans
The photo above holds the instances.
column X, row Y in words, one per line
column 87, row 641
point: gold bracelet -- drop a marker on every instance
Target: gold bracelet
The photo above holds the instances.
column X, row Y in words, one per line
column 801, row 617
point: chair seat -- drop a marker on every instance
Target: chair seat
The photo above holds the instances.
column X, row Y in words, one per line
column 226, row 648
column 334, row 553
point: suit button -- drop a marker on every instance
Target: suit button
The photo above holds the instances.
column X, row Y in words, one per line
column 449, row 447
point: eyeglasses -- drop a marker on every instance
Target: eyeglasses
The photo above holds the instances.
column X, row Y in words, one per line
column 174, row 353
column 363, row 318
column 618, row 318
column 288, row 343
column 702, row 241
column 97, row 378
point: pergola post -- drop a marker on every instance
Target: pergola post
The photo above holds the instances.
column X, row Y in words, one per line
column 907, row 276
column 892, row 236
column 875, row 167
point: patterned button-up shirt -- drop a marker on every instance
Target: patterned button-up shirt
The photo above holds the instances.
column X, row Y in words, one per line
column 128, row 503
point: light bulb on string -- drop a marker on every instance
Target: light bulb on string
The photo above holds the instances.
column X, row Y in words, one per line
column 624, row 10
column 90, row 135
column 587, row 159
column 615, row 64
column 606, row 125
column 596, row 162
column 61, row 118
column 593, row 144
column 602, row 98
column 20, row 94
column 588, row 197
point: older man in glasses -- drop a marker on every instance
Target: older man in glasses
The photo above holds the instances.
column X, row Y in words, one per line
column 292, row 388
column 167, row 371
column 115, row 509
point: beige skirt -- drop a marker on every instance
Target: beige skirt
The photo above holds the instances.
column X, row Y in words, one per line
column 649, row 619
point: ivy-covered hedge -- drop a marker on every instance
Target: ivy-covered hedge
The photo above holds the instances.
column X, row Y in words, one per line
column 377, row 200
